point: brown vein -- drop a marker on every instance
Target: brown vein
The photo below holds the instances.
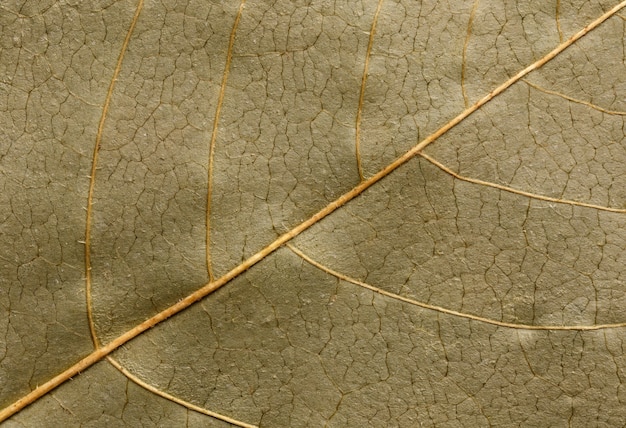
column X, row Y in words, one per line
column 464, row 55
column 574, row 100
column 208, row 288
column 218, row 110
column 90, row 214
column 95, row 339
column 92, row 177
column 557, row 14
column 449, row 311
column 519, row 192
column 362, row 93
column 177, row 400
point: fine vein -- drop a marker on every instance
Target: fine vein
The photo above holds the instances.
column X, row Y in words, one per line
column 359, row 110
column 557, row 18
column 464, row 55
column 207, row 289
column 449, row 311
column 517, row 191
column 92, row 329
column 574, row 100
column 177, row 400
column 218, row 110
column 92, row 177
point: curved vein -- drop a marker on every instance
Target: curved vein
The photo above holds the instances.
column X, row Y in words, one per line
column 464, row 55
column 176, row 400
column 92, row 177
column 446, row 311
column 516, row 191
column 218, row 110
column 208, row 288
column 362, row 92
column 574, row 100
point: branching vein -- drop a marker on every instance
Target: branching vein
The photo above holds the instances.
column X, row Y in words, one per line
column 449, row 311
column 516, row 191
column 92, row 177
column 574, row 100
column 202, row 292
column 177, row 400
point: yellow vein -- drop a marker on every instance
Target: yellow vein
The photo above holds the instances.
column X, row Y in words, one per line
column 464, row 55
column 359, row 110
column 92, row 177
column 449, row 311
column 574, row 100
column 177, row 400
column 519, row 192
column 557, row 14
column 207, row 289
column 218, row 110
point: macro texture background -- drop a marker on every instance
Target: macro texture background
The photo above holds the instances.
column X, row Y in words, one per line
column 149, row 148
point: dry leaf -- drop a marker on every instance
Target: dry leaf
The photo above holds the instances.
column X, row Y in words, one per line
column 383, row 213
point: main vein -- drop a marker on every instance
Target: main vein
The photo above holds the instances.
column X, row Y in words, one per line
column 105, row 350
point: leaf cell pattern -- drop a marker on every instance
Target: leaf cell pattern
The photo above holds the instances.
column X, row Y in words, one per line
column 321, row 213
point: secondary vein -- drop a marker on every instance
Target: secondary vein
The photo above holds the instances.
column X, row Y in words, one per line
column 105, row 350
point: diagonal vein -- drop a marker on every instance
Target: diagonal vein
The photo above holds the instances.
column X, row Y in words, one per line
column 207, row 289
column 176, row 400
column 440, row 309
column 574, row 100
column 517, row 191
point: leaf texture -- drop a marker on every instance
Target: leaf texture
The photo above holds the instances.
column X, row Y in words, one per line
column 320, row 213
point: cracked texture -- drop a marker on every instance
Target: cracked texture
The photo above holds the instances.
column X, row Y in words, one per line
column 481, row 283
column 56, row 63
column 104, row 397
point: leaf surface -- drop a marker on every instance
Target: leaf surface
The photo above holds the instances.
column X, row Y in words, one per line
column 390, row 213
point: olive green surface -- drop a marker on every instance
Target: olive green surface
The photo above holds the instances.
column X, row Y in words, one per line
column 457, row 291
